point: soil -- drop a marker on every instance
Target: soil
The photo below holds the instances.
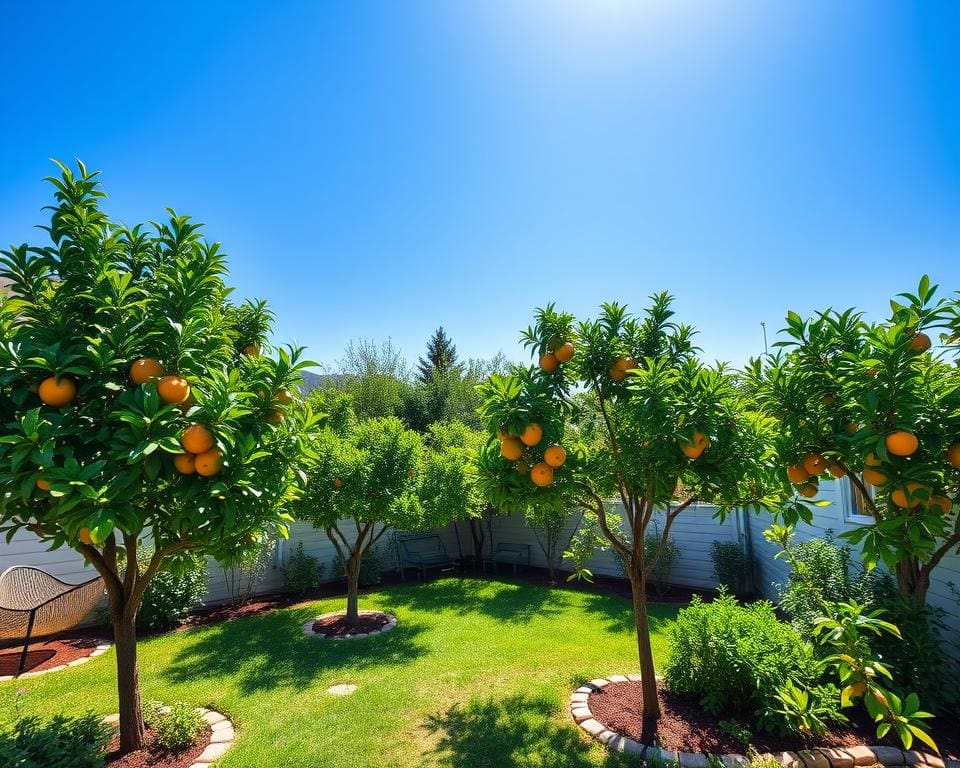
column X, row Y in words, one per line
column 152, row 757
column 684, row 726
column 337, row 626
column 45, row 654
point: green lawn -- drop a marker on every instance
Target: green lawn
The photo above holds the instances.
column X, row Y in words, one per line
column 477, row 674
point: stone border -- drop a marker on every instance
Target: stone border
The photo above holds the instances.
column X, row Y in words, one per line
column 221, row 739
column 101, row 649
column 390, row 625
column 839, row 757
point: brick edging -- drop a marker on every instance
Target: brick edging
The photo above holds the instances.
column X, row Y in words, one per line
column 390, row 625
column 99, row 650
column 836, row 757
column 222, row 735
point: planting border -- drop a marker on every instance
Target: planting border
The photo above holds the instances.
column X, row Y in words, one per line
column 99, row 650
column 222, row 735
column 833, row 757
column 390, row 625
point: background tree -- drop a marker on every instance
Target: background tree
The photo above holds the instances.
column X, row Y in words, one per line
column 665, row 432
column 376, row 377
column 138, row 415
column 441, row 357
column 878, row 404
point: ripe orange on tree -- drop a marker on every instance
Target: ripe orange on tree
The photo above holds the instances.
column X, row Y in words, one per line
column 511, row 449
column 57, row 393
column 208, row 463
column 902, row 443
column 797, row 474
column 874, row 477
column 808, row 490
column 285, row 396
column 541, row 474
column 252, row 350
column 196, row 439
column 836, row 470
column 921, row 343
column 84, row 536
column 617, row 373
column 532, row 434
column 564, row 353
column 185, row 463
column 943, row 502
column 814, row 463
column 953, row 455
column 146, row 369
column 549, row 362
column 555, row 456
column 338, row 483
column 907, row 497
column 696, row 446
column 173, row 389
column 43, row 485
column 276, row 417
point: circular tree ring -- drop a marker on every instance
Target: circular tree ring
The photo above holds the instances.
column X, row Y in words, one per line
column 314, row 628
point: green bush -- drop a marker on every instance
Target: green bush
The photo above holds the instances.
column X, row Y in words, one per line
column 732, row 567
column 61, row 741
column 174, row 729
column 173, row 592
column 735, row 658
column 302, row 572
column 663, row 568
column 371, row 568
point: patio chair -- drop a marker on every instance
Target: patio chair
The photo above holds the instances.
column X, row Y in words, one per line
column 514, row 554
column 422, row 553
column 35, row 604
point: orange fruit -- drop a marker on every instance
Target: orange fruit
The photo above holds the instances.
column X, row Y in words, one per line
column 185, row 463
column 618, row 374
column 953, row 455
column 828, row 400
column 851, row 427
column 906, row 497
column 873, row 460
column 814, row 463
column 874, row 477
column 564, row 353
column 622, row 363
column 555, row 456
column 85, row 536
column 208, row 463
column 808, row 490
column 511, row 449
column 797, row 474
column 943, row 502
column 173, row 389
column 857, row 689
column 502, row 434
column 145, row 369
column 836, row 470
column 901, row 443
column 532, row 435
column 285, row 396
column 549, row 363
column 697, row 445
column 43, row 485
column 921, row 343
column 252, row 350
column 541, row 474
column 276, row 417
column 338, row 483
column 57, row 394
column 196, row 439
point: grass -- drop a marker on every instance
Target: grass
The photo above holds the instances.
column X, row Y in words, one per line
column 476, row 675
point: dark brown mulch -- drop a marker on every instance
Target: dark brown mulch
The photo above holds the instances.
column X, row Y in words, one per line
column 45, row 654
column 684, row 726
column 337, row 626
column 152, row 757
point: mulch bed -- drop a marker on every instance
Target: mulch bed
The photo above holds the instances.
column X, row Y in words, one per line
column 337, row 626
column 154, row 758
column 45, row 654
column 684, row 726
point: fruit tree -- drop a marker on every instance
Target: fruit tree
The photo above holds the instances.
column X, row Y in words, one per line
column 657, row 430
column 879, row 404
column 138, row 414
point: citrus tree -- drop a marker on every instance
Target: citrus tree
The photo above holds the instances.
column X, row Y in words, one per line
column 140, row 423
column 879, row 404
column 658, row 430
column 364, row 482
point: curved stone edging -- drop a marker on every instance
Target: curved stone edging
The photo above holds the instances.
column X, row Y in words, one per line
column 99, row 650
column 222, row 735
column 834, row 757
column 391, row 624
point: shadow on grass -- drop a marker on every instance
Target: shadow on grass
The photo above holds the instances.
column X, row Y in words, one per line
column 616, row 613
column 503, row 600
column 271, row 650
column 514, row 732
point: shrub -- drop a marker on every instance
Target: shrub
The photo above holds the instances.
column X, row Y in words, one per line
column 371, row 568
column 173, row 592
column 247, row 570
column 175, row 728
column 736, row 657
column 302, row 572
column 62, row 741
column 732, row 567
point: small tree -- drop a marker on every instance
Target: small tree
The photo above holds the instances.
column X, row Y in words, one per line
column 441, row 357
column 138, row 415
column 366, row 474
column 658, row 428
column 875, row 403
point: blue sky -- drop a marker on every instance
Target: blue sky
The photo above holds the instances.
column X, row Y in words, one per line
column 376, row 169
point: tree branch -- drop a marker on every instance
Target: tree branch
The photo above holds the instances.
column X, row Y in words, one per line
column 617, row 543
column 665, row 535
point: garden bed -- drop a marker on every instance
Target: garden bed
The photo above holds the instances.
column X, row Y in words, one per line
column 335, row 626
column 151, row 757
column 51, row 655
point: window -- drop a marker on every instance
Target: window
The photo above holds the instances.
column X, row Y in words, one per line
column 855, row 508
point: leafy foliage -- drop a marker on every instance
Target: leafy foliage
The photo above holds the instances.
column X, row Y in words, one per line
column 371, row 567
column 301, row 572
column 441, row 357
column 732, row 566
column 175, row 590
column 175, row 728
column 62, row 741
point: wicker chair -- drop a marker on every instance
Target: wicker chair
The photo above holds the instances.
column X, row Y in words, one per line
column 34, row 604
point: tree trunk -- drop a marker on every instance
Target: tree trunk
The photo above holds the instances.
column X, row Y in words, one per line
column 128, row 682
column 651, row 706
column 353, row 588
column 912, row 580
